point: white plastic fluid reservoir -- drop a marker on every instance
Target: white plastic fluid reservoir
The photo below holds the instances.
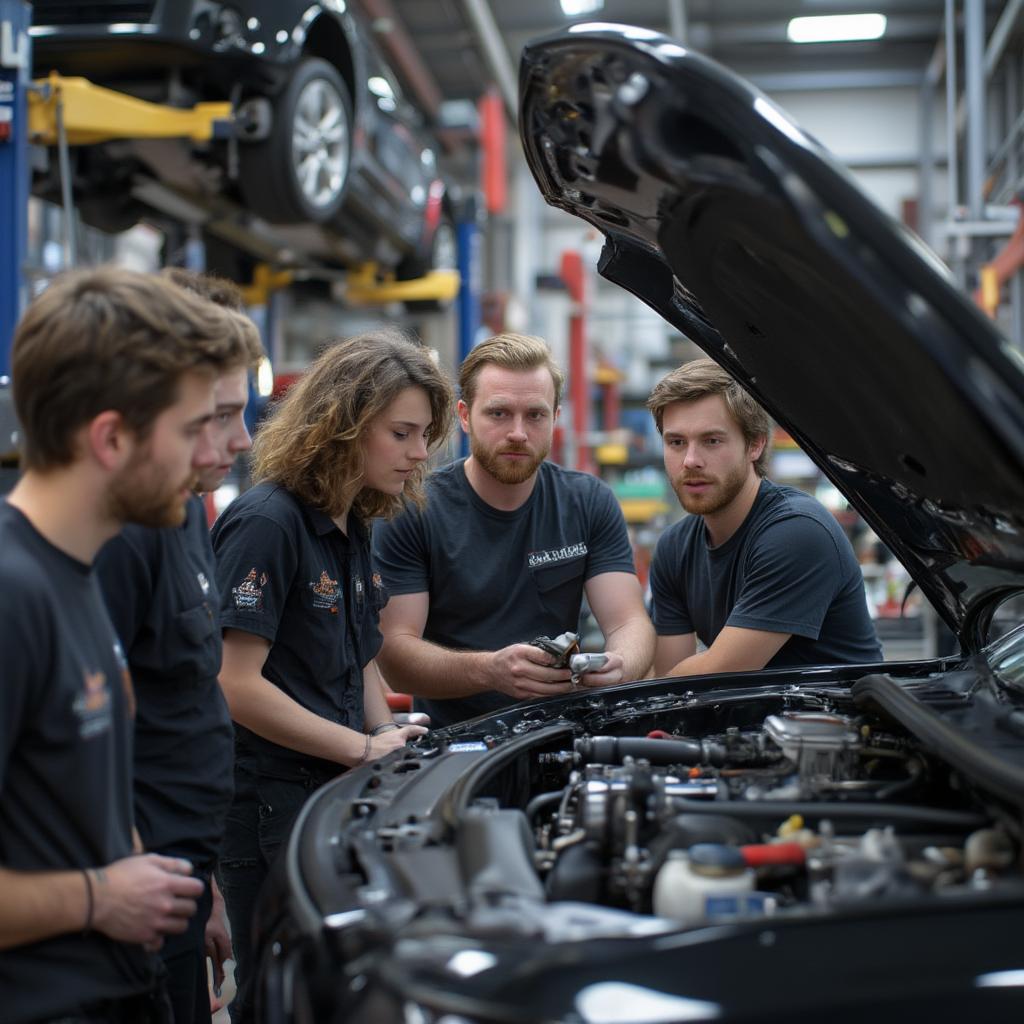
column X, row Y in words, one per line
column 692, row 883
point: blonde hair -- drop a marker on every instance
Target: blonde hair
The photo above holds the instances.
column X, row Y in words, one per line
column 311, row 442
column 512, row 352
column 703, row 377
column 110, row 339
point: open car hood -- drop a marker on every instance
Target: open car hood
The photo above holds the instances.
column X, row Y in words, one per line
column 746, row 236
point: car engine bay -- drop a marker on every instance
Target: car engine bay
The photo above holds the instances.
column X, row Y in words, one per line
column 734, row 809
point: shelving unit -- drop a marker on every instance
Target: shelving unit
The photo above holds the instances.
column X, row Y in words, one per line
column 985, row 168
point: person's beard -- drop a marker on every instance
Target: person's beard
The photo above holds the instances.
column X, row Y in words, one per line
column 722, row 492
column 506, row 471
column 141, row 494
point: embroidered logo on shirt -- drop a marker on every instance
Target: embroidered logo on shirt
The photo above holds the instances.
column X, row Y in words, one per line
column 566, row 554
column 249, row 593
column 326, row 593
column 92, row 705
column 204, row 583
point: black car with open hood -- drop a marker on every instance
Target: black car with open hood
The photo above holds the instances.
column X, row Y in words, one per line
column 825, row 843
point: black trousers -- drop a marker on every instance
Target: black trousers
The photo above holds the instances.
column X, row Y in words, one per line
column 184, row 957
column 267, row 801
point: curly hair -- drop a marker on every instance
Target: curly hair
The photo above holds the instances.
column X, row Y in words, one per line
column 702, row 377
column 311, row 442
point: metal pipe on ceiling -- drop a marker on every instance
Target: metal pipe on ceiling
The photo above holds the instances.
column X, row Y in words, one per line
column 495, row 53
column 677, row 27
column 952, row 170
column 1001, row 35
column 974, row 94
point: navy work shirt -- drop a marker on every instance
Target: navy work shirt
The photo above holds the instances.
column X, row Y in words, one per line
column 160, row 592
column 788, row 569
column 285, row 572
column 65, row 765
column 497, row 578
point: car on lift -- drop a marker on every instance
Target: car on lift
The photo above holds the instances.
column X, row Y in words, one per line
column 327, row 150
column 830, row 843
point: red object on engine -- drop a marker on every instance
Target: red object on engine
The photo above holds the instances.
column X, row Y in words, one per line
column 761, row 855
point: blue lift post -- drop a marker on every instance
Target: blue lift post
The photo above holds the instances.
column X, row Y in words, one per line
column 467, row 237
column 15, row 18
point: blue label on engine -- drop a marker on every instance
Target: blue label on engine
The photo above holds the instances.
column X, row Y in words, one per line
column 736, row 906
column 466, row 748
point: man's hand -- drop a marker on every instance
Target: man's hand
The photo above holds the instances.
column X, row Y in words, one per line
column 524, row 672
column 218, row 942
column 141, row 899
column 610, row 674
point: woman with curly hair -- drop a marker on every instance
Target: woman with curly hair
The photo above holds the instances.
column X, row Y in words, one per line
column 300, row 602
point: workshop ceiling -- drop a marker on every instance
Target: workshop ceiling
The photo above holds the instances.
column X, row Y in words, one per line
column 747, row 35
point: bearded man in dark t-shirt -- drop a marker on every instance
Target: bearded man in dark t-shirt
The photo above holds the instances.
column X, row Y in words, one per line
column 113, row 386
column 761, row 574
column 505, row 550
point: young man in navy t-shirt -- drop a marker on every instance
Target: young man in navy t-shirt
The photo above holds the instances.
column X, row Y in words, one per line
column 761, row 574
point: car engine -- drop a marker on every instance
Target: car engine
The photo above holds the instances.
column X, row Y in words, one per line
column 805, row 810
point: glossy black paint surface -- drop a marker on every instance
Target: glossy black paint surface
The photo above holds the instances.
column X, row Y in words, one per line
column 741, row 231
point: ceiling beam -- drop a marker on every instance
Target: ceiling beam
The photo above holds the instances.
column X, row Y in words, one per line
column 495, row 53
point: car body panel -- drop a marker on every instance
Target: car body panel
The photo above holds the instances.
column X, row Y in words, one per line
column 742, row 232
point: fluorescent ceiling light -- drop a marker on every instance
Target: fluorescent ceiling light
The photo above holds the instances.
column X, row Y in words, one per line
column 836, row 28
column 572, row 8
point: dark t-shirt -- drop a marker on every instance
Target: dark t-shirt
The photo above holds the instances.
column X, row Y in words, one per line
column 159, row 590
column 497, row 578
column 286, row 573
column 788, row 569
column 65, row 764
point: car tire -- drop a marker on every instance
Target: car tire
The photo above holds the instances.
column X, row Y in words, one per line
column 298, row 173
column 441, row 255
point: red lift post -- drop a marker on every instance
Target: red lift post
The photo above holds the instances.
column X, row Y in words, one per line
column 574, row 277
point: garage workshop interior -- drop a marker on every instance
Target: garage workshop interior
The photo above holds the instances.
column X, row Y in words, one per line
column 513, row 511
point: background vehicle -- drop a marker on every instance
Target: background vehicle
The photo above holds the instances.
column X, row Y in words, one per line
column 328, row 151
column 819, row 844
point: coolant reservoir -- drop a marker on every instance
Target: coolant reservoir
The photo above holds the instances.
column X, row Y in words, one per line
column 694, row 884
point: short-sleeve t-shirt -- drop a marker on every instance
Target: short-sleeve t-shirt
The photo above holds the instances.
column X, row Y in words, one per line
column 160, row 590
column 788, row 569
column 496, row 578
column 65, row 764
column 285, row 572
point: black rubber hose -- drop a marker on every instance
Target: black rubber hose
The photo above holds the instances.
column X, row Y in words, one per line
column 613, row 749
column 540, row 801
column 877, row 813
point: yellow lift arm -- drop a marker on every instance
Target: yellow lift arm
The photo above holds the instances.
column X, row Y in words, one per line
column 363, row 287
column 94, row 114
